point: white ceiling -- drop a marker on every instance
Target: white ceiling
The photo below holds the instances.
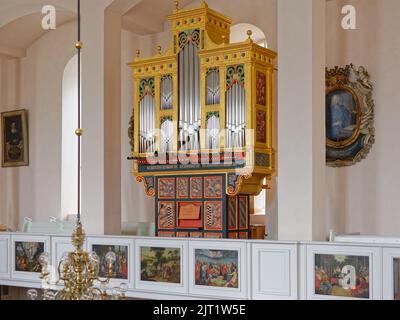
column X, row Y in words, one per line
column 148, row 16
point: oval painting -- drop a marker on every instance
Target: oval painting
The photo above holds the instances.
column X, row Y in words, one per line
column 342, row 117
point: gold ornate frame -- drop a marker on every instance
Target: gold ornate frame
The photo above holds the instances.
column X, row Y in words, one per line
column 25, row 136
column 357, row 82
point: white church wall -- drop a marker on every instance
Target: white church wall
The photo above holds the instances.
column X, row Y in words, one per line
column 35, row 191
column 365, row 197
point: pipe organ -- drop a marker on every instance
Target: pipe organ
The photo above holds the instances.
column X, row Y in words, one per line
column 202, row 125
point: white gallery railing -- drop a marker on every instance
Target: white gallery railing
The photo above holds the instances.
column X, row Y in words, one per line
column 169, row 268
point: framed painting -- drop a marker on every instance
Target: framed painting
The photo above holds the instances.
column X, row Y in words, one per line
column 5, row 256
column 25, row 253
column 343, row 273
column 349, row 106
column 15, row 144
column 123, row 265
column 161, row 265
column 218, row 269
column 391, row 273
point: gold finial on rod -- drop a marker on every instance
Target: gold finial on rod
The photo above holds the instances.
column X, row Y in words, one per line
column 176, row 5
column 204, row 4
column 137, row 53
column 159, row 49
column 79, row 132
column 79, row 45
column 249, row 33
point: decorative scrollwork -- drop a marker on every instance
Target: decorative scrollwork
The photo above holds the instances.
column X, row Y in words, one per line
column 235, row 74
column 146, row 87
column 189, row 36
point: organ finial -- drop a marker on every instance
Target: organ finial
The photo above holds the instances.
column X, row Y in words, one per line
column 159, row 49
column 176, row 5
column 137, row 53
column 249, row 33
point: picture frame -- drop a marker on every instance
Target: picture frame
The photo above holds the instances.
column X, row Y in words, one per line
column 5, row 256
column 124, row 249
column 159, row 278
column 391, row 273
column 354, row 273
column 227, row 257
column 25, row 252
column 349, row 104
column 15, row 139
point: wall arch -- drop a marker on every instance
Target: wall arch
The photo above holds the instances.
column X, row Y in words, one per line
column 69, row 153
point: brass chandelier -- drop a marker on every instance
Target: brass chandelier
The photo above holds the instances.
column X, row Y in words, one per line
column 78, row 271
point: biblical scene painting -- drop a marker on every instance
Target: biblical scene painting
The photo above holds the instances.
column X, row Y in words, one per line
column 342, row 276
column 396, row 278
column 120, row 267
column 15, row 138
column 160, row 264
column 217, row 268
column 27, row 256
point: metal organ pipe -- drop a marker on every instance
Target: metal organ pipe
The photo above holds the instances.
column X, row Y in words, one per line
column 189, row 104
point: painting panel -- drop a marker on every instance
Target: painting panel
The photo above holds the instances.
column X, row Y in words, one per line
column 27, row 256
column 213, row 187
column 196, row 187
column 166, row 215
column 159, row 264
column 217, row 268
column 214, row 215
column 261, row 88
column 261, row 130
column 166, row 188
column 182, row 188
column 342, row 276
column 120, row 267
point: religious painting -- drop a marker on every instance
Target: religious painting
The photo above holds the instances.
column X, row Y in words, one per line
column 160, row 264
column 214, row 215
column 27, row 256
column 213, row 187
column 342, row 276
column 182, row 188
column 217, row 268
column 349, row 106
column 120, row 267
column 196, row 187
column 166, row 215
column 166, row 188
column 261, row 88
column 15, row 139
column 396, row 278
